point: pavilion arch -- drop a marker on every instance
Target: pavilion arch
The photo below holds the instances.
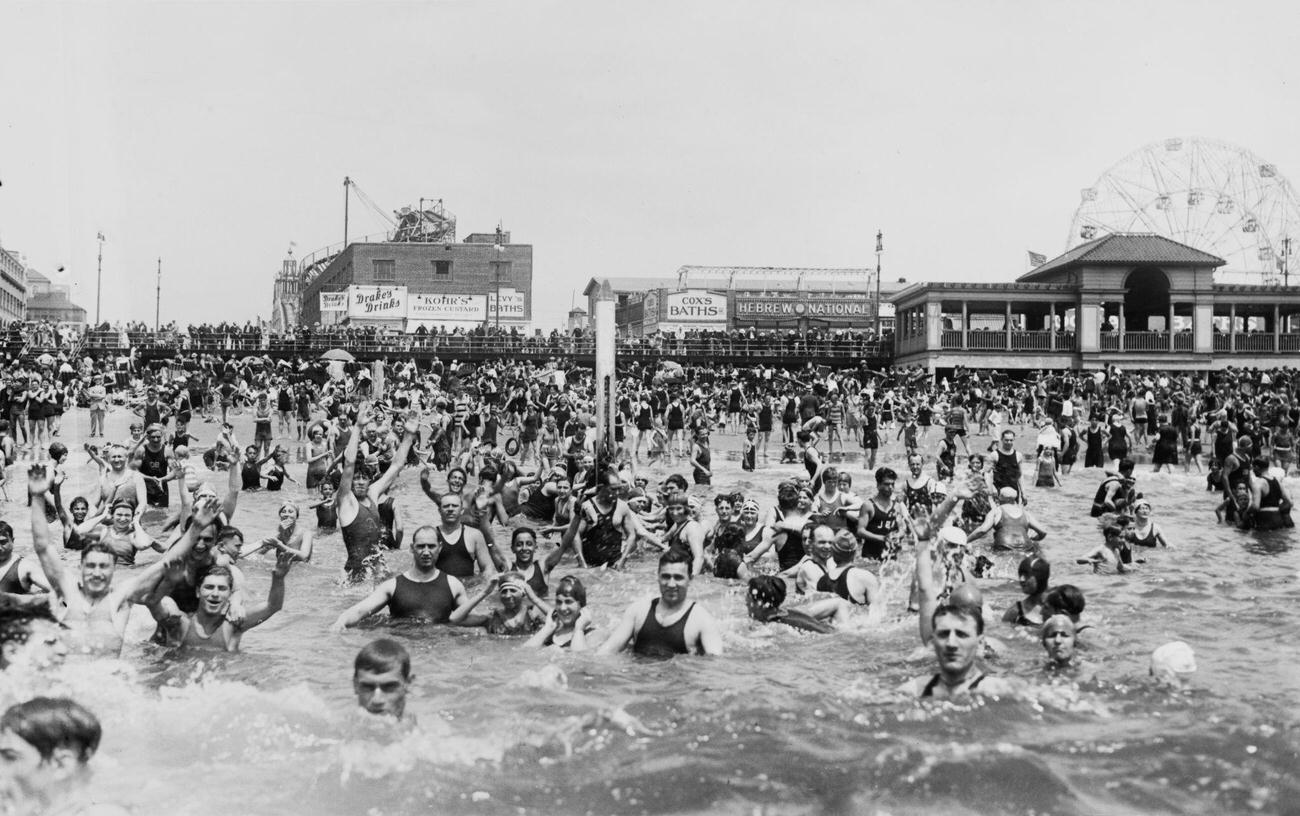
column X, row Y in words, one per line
column 1146, row 295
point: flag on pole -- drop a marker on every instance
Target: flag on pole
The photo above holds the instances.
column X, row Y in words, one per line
column 101, row 237
column 1037, row 259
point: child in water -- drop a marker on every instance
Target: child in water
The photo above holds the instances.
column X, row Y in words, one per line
column 1115, row 552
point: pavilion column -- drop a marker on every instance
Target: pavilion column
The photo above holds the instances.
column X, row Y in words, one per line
column 1120, row 326
column 964, row 318
column 1008, row 325
column 1051, row 334
column 1169, row 327
column 1232, row 327
column 1277, row 329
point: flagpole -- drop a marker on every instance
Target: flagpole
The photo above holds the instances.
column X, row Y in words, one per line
column 99, row 278
column 157, row 301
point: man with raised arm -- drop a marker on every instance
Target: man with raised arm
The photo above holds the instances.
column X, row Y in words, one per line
column 208, row 628
column 358, row 498
column 90, row 603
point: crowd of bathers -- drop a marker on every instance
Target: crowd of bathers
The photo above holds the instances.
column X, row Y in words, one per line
column 507, row 453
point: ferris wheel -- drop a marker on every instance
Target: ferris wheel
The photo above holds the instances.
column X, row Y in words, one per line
column 1214, row 196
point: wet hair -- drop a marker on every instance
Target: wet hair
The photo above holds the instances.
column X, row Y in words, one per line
column 803, row 436
column 230, row 532
column 730, row 537
column 884, row 473
column 382, row 655
column 675, row 556
column 787, row 496
column 724, row 497
column 514, row 537
column 845, row 476
column 49, row 724
column 1038, row 567
column 219, row 570
column 1112, row 531
column 79, row 500
column 676, row 479
column 6, row 530
column 966, row 612
column 97, row 547
column 1126, row 465
column 1066, row 599
column 1260, row 464
column 768, row 590
column 571, row 585
column 58, row 450
column 459, row 470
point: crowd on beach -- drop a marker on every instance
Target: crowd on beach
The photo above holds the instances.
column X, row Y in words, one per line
column 526, row 501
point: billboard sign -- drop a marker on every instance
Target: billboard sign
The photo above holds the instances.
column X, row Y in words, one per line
column 695, row 306
column 650, row 313
column 334, row 301
column 792, row 309
column 454, row 308
column 377, row 302
column 512, row 305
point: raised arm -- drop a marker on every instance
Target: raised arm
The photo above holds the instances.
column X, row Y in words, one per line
column 461, row 612
column 51, row 565
column 410, row 430
column 275, row 598
column 140, row 584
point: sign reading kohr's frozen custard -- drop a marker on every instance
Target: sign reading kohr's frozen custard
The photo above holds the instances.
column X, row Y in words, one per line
column 816, row 308
column 448, row 307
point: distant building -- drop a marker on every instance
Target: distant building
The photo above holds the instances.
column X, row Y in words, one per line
column 577, row 318
column 406, row 285
column 741, row 297
column 47, row 300
column 13, row 287
column 286, row 299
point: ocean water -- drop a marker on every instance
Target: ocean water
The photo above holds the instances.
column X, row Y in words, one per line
column 784, row 722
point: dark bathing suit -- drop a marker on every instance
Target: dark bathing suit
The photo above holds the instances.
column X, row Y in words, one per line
column 361, row 539
column 928, row 691
column 426, row 600
column 455, row 558
column 656, row 640
column 603, row 542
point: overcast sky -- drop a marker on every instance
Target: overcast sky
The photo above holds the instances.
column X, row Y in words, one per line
column 617, row 138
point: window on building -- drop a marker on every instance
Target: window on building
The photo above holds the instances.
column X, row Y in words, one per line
column 385, row 271
column 442, row 267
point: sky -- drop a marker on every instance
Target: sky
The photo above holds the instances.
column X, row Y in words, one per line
column 617, row 138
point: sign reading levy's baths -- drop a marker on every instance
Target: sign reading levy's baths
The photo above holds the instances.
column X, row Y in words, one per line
column 449, row 307
column 695, row 306
column 512, row 304
column 377, row 302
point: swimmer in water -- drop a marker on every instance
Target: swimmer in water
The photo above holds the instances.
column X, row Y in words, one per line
column 1058, row 637
column 381, row 678
column 766, row 593
column 1034, row 573
column 424, row 592
column 569, row 622
column 958, row 639
column 1013, row 526
column 667, row 625
column 522, row 611
column 208, row 628
column 1115, row 554
column 90, row 604
column 46, row 745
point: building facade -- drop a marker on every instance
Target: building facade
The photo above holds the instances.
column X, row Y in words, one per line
column 762, row 298
column 452, row 284
column 13, row 287
column 47, row 300
column 1135, row 300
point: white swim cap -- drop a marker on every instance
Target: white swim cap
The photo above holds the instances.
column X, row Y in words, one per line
column 1173, row 661
column 955, row 536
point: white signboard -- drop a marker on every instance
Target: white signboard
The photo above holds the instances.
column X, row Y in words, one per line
column 437, row 308
column 650, row 313
column 512, row 305
column 377, row 302
column 681, row 328
column 695, row 306
column 334, row 301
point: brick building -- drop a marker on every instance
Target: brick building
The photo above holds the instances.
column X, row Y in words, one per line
column 13, row 287
column 468, row 273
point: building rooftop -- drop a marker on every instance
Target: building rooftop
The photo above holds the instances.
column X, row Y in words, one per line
column 1126, row 248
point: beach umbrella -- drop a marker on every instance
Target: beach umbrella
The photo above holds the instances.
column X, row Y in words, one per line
column 45, row 360
column 339, row 355
column 253, row 361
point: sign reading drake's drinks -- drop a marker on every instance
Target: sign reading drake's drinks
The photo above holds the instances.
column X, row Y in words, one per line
column 695, row 306
column 462, row 308
column 377, row 302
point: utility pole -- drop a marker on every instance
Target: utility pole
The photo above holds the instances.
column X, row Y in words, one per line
column 157, row 301
column 880, row 247
column 347, row 182
column 497, row 263
column 99, row 277
column 1286, row 261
